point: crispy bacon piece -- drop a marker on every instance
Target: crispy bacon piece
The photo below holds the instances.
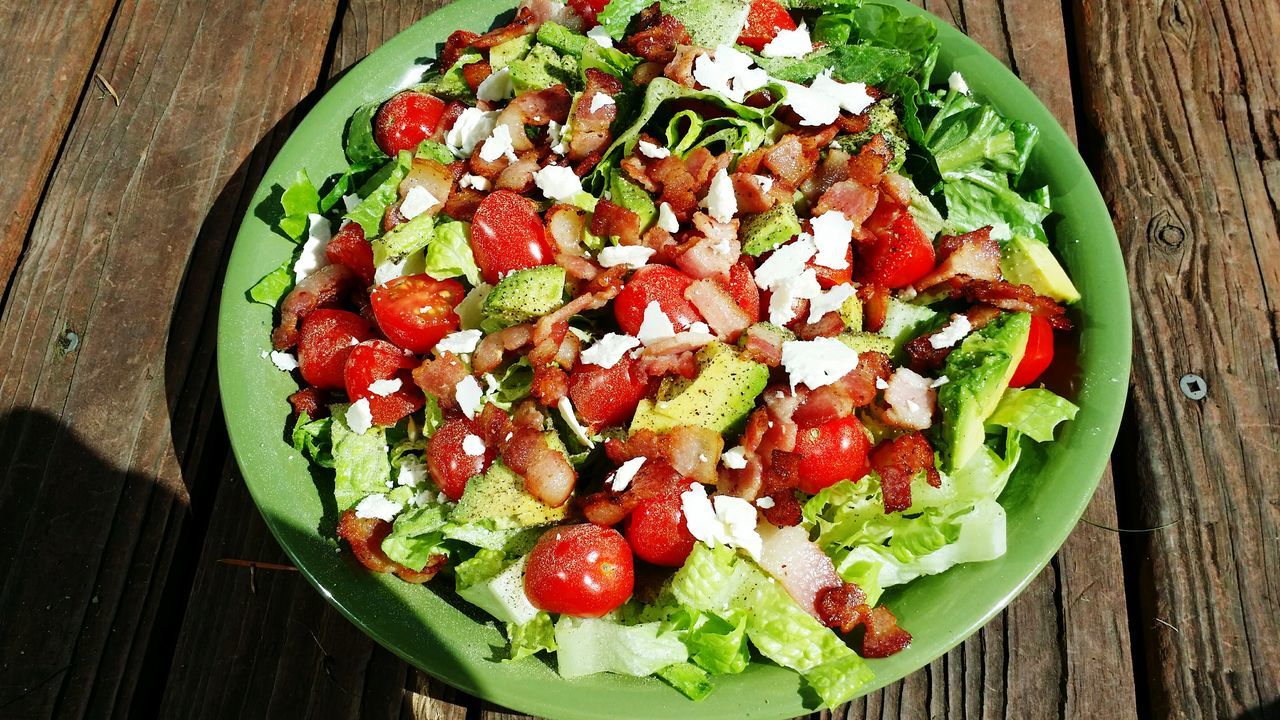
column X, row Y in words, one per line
column 490, row 351
column 973, row 256
column 829, row 325
column 476, row 73
column 871, row 162
column 462, row 203
column 439, row 378
column 523, row 23
column 322, row 288
column 518, row 176
column 842, row 606
column 722, row 313
column 550, row 383
column 657, row 42
column 751, row 195
column 684, row 364
column 543, row 11
column 1016, row 298
column 565, row 224
column 787, row 161
column 537, row 109
column 691, row 451
column 764, row 345
column 547, row 473
column 312, row 401
column 431, row 176
column 799, row 565
column 883, row 636
column 909, row 400
column 680, row 68
column 678, row 344
column 875, row 306
column 712, row 251
column 839, row 399
column 455, row 46
column 852, row 199
column 925, row 358
column 365, row 536
column 591, row 127
column 613, row 220
column 655, row 477
column 898, row 461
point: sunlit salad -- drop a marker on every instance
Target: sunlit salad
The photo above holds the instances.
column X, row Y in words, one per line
column 665, row 331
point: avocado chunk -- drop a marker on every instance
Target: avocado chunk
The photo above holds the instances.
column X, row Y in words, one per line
column 499, row 497
column 979, row 372
column 542, row 68
column 634, row 198
column 451, row 85
column 851, row 313
column 719, row 399
column 904, row 322
column 562, row 39
column 767, row 230
column 1024, row 261
column 864, row 342
column 526, row 294
column 510, row 51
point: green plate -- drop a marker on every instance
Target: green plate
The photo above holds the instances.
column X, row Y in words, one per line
column 438, row 633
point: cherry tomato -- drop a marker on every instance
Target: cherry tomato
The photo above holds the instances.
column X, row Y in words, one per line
column 658, row 532
column 580, row 570
column 588, row 10
column 415, row 311
column 655, row 283
column 901, row 254
column 604, row 397
column 1039, row 354
column 449, row 465
column 833, row 451
column 376, row 360
column 764, row 21
column 507, row 234
column 829, row 278
column 404, row 121
column 742, row 286
column 348, row 247
column 324, row 343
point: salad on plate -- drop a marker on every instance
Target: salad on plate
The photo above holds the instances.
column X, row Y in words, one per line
column 674, row 334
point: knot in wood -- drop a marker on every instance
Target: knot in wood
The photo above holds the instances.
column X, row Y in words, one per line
column 1165, row 230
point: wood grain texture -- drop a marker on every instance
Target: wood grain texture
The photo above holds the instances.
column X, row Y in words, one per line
column 97, row 519
column 1184, row 100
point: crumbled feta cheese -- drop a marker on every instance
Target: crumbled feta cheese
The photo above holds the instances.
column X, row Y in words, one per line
column 412, row 473
column 471, row 127
column 814, row 108
column 765, row 182
column 491, row 384
column 943, row 380
column 818, row 362
column 498, row 86
column 787, row 291
column 608, row 350
column 558, row 182
column 475, row 182
column 700, row 327
column 721, row 202
column 787, row 261
column 460, row 343
column 852, row 97
column 599, row 100
column 650, row 150
column 498, row 145
column 735, row 458
column 358, row 416
column 667, row 219
column 954, row 332
column 789, row 44
column 555, row 134
column 313, row 257
column 722, row 520
column 571, row 419
column 1001, row 232
column 383, row 388
column 350, row 201
column 622, row 477
column 957, row 83
column 829, row 301
column 728, row 72
column 765, row 503
column 881, row 384
column 473, row 446
column 655, row 325
column 470, row 398
column 417, row 201
column 286, row 362
column 601, row 36
column 629, row 255
column 832, row 232
column 378, row 506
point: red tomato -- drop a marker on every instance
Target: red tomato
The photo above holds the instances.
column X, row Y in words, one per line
column 604, row 397
column 900, row 256
column 764, row 21
column 415, row 311
column 829, row 278
column 588, row 10
column 1039, row 354
column 449, row 465
column 580, row 570
column 658, row 532
column 655, row 283
column 833, row 451
column 404, row 121
column 324, row 343
column 374, row 360
column 742, row 286
column 348, row 247
column 507, row 234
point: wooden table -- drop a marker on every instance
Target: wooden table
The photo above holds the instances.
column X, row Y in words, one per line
column 135, row 131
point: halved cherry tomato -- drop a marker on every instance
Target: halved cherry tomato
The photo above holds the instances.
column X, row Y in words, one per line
column 764, row 21
column 580, row 570
column 655, row 283
column 348, row 247
column 829, row 278
column 1039, row 354
column 833, row 451
column 901, row 254
column 324, row 343
column 415, row 311
column 404, row 121
column 658, row 531
column 449, row 464
column 604, row 397
column 507, row 234
column 742, row 286
column 588, row 10
column 377, row 360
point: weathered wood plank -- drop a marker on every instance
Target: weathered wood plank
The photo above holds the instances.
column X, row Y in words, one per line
column 97, row 518
column 48, row 51
column 1184, row 99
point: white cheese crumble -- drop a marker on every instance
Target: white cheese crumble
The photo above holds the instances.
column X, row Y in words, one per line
column 1001, row 232
column 786, row 292
column 416, row 202
column 629, row 255
column 498, row 86
column 765, row 503
column 721, row 202
column 735, row 458
column 656, row 325
column 475, row 182
column 571, row 419
column 621, row 478
column 829, row 301
column 313, row 257
column 459, row 343
column 818, row 362
column 472, row 445
column 667, row 219
column 700, row 328
column 787, row 261
column 942, row 380
column 412, row 473
column 852, row 97
column 498, row 145
column 471, row 127
column 724, row 520
column 383, row 388
column 491, row 384
column 555, row 134
column 729, row 72
column 601, row 36
column 608, row 350
column 957, row 83
column 469, row 396
column 358, row 416
column 378, row 506
column 284, row 361
column 350, row 201
column 789, row 44
column 599, row 100
column 954, row 332
column 814, row 108
column 832, row 232
column 558, row 182
column 881, row 384
column 650, row 150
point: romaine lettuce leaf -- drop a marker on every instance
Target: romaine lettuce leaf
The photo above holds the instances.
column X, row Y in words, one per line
column 313, row 439
column 417, row 535
column 275, row 285
column 980, row 138
column 617, row 15
column 360, row 463
column 588, row 646
column 1034, row 412
column 379, row 192
column 479, row 568
column 711, row 23
column 535, row 636
column 981, row 198
column 449, row 253
column 689, row 679
column 298, row 201
column 360, row 146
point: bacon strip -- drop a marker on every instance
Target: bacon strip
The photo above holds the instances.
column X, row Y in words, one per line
column 713, row 251
column 322, row 288
column 898, row 461
column 722, row 313
column 691, row 451
column 365, row 536
column 658, row 36
column 591, row 127
column 1017, row 298
column 973, row 256
column 439, row 378
column 655, row 477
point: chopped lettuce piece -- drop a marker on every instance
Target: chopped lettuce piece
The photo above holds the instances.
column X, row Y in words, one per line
column 617, row 14
column 298, row 201
column 313, row 439
column 535, row 636
column 980, row 138
column 711, row 23
column 481, row 567
column 689, row 679
column 360, row 146
column 361, row 465
column 502, row 595
column 274, row 286
column 449, row 253
column 379, row 192
column 417, row 535
column 1034, row 412
column 981, row 198
column 590, row 646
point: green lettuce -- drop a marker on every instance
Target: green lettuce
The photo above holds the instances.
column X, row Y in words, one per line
column 711, row 23
column 981, row 198
column 361, row 465
column 449, row 253
column 617, row 15
column 535, row 636
column 299, row 201
column 689, row 679
column 379, row 192
column 275, row 285
column 1034, row 412
column 313, row 438
column 979, row 138
column 502, row 594
column 417, row 535
column 360, row 146
column 479, row 568
column 588, row 645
